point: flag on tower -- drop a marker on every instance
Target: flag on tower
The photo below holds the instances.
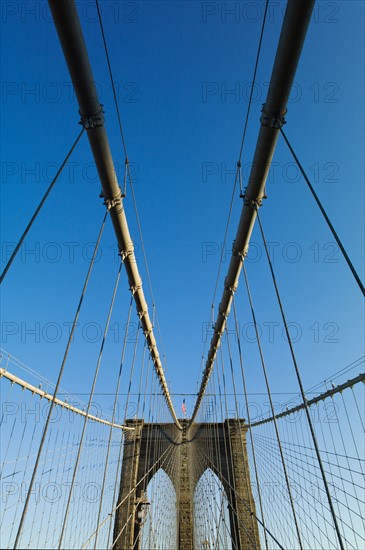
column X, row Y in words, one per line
column 183, row 408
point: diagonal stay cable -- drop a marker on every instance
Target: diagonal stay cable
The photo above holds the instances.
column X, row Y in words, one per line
column 111, row 80
column 80, row 447
column 70, row 35
column 117, row 506
column 243, row 376
column 329, row 223
column 296, row 368
column 127, row 166
column 70, row 340
column 237, row 171
column 241, row 147
column 115, row 412
column 220, row 474
column 295, row 25
column 32, row 220
column 267, row 384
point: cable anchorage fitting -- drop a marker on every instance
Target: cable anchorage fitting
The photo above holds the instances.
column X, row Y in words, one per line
column 94, row 121
column 113, row 202
column 142, row 313
column 272, row 121
column 125, row 253
column 255, row 204
column 240, row 253
column 223, row 313
column 231, row 289
column 136, row 287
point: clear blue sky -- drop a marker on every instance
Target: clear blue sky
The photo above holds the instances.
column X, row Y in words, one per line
column 174, row 64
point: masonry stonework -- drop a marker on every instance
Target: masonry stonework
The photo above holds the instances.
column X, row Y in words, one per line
column 184, row 456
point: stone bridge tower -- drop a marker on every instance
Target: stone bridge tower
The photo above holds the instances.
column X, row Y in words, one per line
column 145, row 450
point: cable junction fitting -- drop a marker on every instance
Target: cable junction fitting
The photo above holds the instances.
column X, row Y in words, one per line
column 142, row 313
column 237, row 252
column 255, row 204
column 242, row 255
column 136, row 287
column 224, row 313
column 125, row 253
column 231, row 289
column 94, row 121
column 113, row 201
column 272, row 121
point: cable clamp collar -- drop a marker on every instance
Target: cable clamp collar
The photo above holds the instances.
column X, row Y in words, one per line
column 152, row 348
column 240, row 253
column 224, row 313
column 252, row 203
column 231, row 289
column 136, row 287
column 142, row 313
column 125, row 253
column 112, row 203
column 272, row 121
column 94, row 121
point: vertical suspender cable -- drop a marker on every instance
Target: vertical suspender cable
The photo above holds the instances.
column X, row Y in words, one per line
column 272, row 410
column 106, row 328
column 116, row 395
column 249, row 420
column 45, row 429
column 71, row 37
column 310, row 423
column 294, row 29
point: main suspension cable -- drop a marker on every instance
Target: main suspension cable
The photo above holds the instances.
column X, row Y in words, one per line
column 127, row 169
column 238, row 171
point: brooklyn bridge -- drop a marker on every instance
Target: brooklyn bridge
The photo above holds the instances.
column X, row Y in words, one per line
column 135, row 464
